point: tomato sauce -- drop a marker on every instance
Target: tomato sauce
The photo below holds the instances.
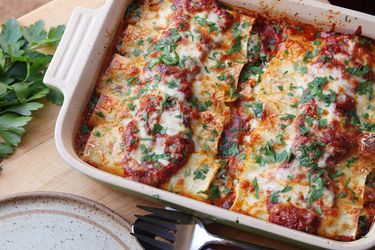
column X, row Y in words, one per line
column 296, row 218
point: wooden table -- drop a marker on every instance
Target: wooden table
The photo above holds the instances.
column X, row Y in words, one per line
column 37, row 166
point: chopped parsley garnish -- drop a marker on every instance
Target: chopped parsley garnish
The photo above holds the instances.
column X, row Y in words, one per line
column 274, row 198
column 267, row 154
column 302, row 129
column 336, row 174
column 175, row 35
column 355, row 197
column 283, row 126
column 215, row 133
column 232, row 91
column 300, row 28
column 365, row 88
column 172, row 84
column 352, row 115
column 310, row 153
column 148, row 156
column 204, row 106
column 342, row 195
column 307, row 56
column 187, row 172
column 316, row 42
column 302, row 69
column 308, row 119
column 316, row 189
column 370, row 127
column 358, row 71
column 168, row 47
column 145, row 139
column 256, row 107
column 325, row 58
column 200, row 174
column 213, row 192
column 287, row 117
column 132, row 80
column 277, row 28
column 226, row 190
column 280, row 140
column 168, row 102
column 322, row 123
column 225, row 77
column 256, row 188
column 133, row 141
column 250, row 70
column 141, row 42
column 351, row 161
column 205, row 23
column 229, row 149
column 157, row 128
column 318, row 209
column 100, row 114
column 241, row 156
column 131, row 106
column 153, row 62
column 255, row 70
column 294, row 105
column 237, row 36
column 136, row 52
column 315, row 90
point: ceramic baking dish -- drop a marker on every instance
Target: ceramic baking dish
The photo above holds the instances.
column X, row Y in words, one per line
column 77, row 63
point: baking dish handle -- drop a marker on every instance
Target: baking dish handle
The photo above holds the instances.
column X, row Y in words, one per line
column 73, row 52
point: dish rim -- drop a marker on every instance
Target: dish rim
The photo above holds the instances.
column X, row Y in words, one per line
column 71, row 88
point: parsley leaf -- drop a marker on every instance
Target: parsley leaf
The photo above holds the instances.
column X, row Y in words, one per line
column 256, row 107
column 267, row 154
column 351, row 161
column 200, row 174
column 302, row 69
column 22, row 70
column 274, row 198
column 315, row 90
column 229, row 149
column 307, row 56
column 358, row 71
column 370, row 127
column 256, row 188
column 366, row 88
column 157, row 128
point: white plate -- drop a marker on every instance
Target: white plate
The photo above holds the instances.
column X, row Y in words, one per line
column 48, row 220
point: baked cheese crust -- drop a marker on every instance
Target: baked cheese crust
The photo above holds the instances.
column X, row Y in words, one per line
column 260, row 115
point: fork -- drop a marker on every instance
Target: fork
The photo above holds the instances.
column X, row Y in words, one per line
column 170, row 229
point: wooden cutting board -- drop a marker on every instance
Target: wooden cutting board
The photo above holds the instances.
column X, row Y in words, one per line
column 37, row 166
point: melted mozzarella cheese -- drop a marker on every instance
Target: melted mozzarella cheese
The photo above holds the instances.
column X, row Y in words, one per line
column 172, row 122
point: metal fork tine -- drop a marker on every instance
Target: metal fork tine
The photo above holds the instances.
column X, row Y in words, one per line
column 155, row 230
column 153, row 242
column 156, row 221
column 169, row 214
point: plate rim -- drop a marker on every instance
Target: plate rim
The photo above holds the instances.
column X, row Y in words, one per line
column 71, row 198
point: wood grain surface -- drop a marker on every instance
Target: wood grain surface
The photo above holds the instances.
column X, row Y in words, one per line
column 36, row 164
column 17, row 8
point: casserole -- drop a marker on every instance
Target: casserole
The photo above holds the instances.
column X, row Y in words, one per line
column 67, row 76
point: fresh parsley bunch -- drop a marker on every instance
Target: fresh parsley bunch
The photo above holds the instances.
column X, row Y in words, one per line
column 22, row 69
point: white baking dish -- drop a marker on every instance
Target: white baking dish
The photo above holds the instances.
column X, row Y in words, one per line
column 75, row 68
